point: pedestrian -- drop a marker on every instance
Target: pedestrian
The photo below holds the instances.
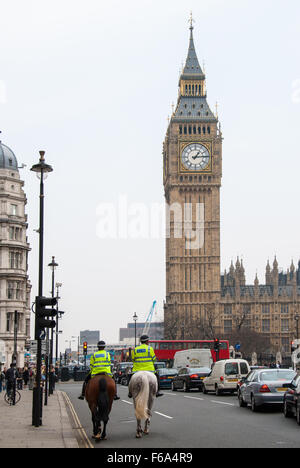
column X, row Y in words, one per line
column 20, row 379
column 25, row 376
column 2, row 380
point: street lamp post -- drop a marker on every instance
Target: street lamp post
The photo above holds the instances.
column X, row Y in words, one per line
column 59, row 315
column 41, row 170
column 297, row 317
column 135, row 317
column 53, row 265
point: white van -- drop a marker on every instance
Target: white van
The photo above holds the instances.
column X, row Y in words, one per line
column 193, row 358
column 225, row 376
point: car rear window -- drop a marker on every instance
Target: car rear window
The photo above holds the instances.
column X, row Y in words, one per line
column 168, row 372
column 200, row 370
column 244, row 368
column 231, row 368
column 277, row 375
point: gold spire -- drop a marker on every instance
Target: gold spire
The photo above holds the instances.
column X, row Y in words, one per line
column 191, row 20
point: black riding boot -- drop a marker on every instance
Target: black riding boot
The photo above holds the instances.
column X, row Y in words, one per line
column 81, row 397
column 158, row 394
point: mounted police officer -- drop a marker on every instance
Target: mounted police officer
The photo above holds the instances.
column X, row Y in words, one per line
column 100, row 363
column 143, row 358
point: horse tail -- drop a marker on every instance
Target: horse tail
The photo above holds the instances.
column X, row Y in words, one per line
column 103, row 402
column 141, row 401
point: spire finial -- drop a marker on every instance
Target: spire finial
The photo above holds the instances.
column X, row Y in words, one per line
column 191, row 21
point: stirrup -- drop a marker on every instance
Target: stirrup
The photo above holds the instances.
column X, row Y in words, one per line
column 81, row 397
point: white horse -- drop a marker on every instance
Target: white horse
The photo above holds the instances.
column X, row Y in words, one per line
column 143, row 387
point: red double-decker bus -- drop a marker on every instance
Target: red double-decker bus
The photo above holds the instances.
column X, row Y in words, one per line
column 165, row 349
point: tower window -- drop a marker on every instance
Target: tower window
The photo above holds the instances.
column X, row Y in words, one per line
column 194, row 130
column 208, row 130
column 180, row 129
column 190, row 130
column 204, row 130
column 199, row 129
column 185, row 130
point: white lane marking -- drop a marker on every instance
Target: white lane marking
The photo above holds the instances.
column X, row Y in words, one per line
column 170, row 394
column 194, row 398
column 128, row 402
column 222, row 403
column 164, row 415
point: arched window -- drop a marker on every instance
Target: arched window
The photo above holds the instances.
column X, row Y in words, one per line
column 180, row 129
column 199, row 130
column 190, row 129
column 194, row 130
column 204, row 130
column 208, row 130
column 185, row 130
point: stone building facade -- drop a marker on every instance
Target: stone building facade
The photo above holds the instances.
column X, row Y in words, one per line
column 14, row 283
column 199, row 300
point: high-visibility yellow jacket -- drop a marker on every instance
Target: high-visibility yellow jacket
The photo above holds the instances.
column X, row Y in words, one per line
column 100, row 362
column 143, row 358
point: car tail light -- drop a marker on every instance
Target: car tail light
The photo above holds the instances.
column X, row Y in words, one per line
column 194, row 376
column 264, row 389
column 222, row 378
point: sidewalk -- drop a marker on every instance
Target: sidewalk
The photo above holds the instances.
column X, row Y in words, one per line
column 17, row 430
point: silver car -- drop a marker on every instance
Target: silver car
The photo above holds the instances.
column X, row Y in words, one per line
column 264, row 387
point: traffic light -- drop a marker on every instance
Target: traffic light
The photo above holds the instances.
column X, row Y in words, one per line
column 85, row 346
column 42, row 314
column 217, row 344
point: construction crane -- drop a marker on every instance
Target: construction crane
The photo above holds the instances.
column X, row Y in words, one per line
column 149, row 318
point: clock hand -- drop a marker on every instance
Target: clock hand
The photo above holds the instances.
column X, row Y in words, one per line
column 197, row 155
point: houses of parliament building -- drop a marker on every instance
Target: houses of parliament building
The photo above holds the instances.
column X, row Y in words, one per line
column 198, row 297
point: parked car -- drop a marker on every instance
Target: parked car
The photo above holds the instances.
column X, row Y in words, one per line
column 189, row 377
column 264, row 387
column 121, row 371
column 291, row 399
column 225, row 376
column 166, row 377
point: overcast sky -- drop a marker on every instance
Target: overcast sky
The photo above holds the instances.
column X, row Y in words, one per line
column 92, row 83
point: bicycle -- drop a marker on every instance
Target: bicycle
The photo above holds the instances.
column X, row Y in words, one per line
column 12, row 397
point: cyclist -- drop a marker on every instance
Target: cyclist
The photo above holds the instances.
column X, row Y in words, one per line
column 11, row 378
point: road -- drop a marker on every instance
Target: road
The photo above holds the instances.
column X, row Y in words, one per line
column 190, row 420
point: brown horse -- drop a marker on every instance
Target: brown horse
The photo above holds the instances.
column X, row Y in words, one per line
column 99, row 393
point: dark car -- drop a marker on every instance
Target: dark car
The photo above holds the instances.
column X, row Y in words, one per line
column 166, row 377
column 291, row 399
column 189, row 378
column 121, row 372
column 264, row 387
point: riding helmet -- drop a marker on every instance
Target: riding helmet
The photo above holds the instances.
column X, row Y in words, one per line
column 101, row 344
column 144, row 338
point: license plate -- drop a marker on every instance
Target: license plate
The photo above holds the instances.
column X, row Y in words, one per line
column 171, row 378
column 233, row 380
column 281, row 389
column 202, row 378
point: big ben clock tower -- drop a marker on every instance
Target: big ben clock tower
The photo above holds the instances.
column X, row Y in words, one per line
column 192, row 179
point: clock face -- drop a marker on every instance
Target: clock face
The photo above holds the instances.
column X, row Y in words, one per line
column 195, row 157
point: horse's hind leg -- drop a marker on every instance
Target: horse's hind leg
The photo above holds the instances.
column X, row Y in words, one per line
column 103, row 437
column 147, row 425
column 96, row 427
column 139, row 429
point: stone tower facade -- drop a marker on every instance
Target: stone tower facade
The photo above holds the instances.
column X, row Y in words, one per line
column 192, row 153
column 14, row 283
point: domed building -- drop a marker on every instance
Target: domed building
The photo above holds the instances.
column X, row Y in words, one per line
column 14, row 283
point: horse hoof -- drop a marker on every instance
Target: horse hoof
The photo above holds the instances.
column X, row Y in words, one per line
column 103, row 438
column 146, row 432
column 138, row 436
